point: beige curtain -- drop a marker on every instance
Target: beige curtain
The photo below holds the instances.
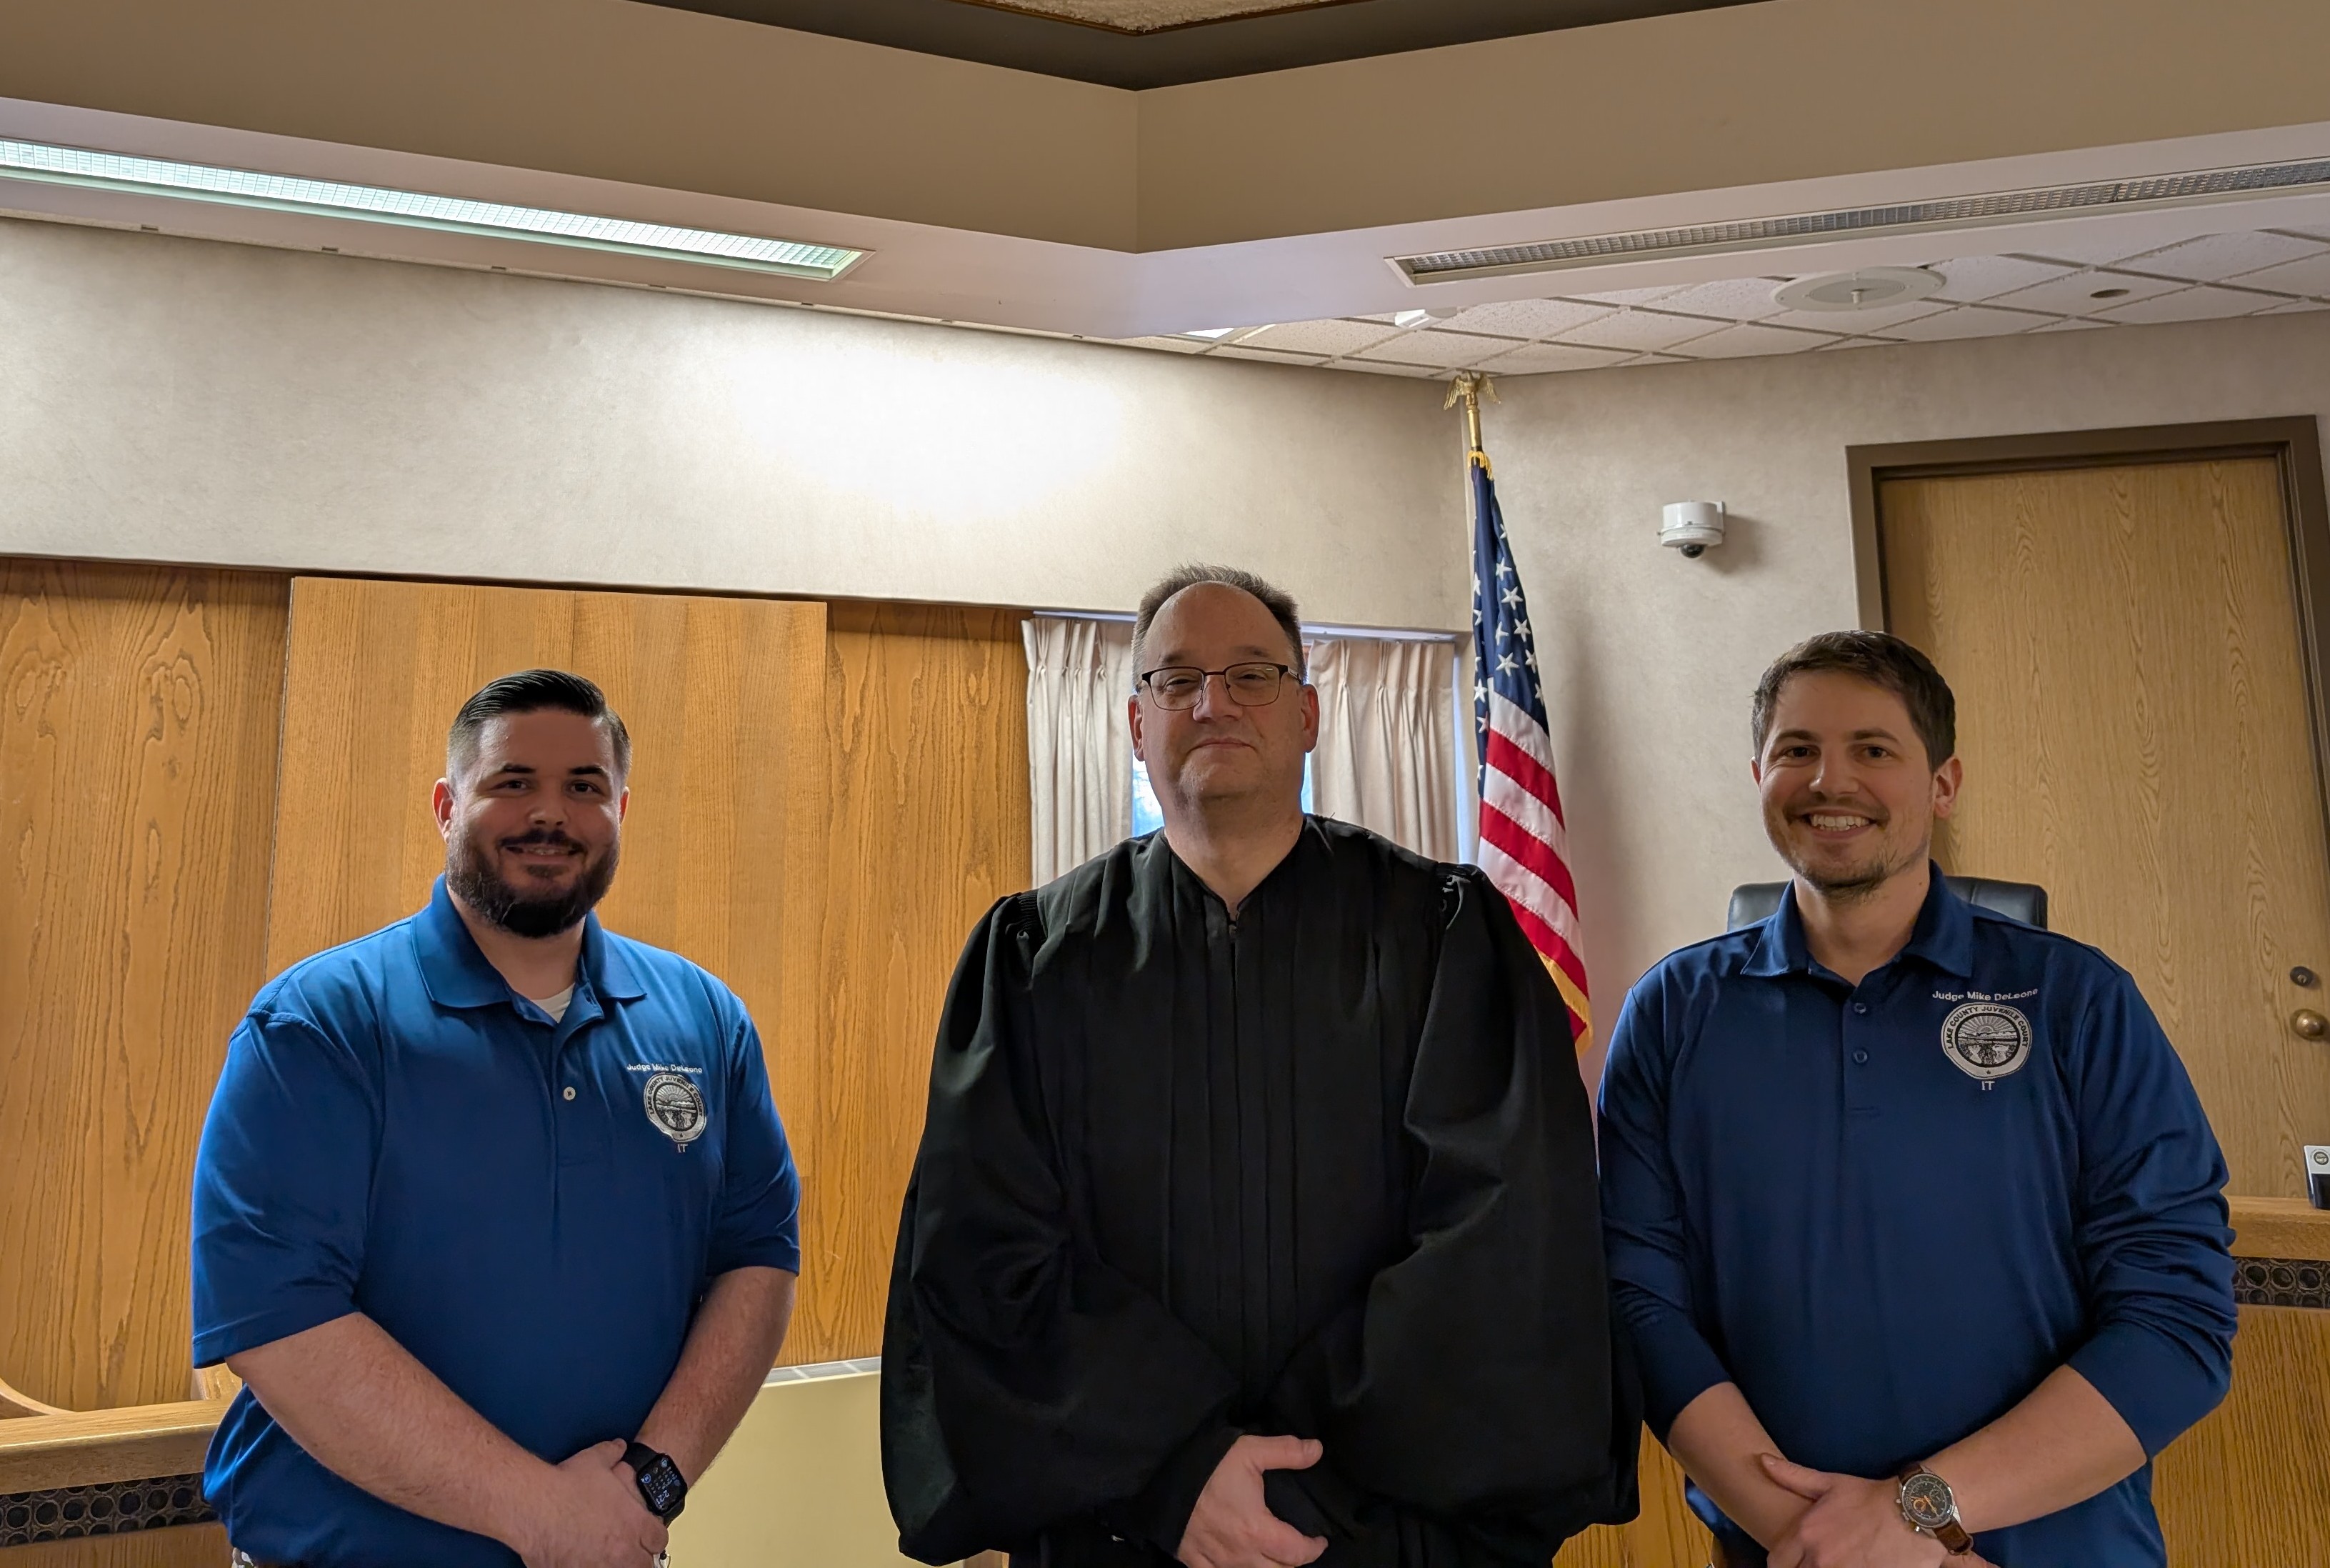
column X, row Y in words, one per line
column 1079, row 753
column 1387, row 741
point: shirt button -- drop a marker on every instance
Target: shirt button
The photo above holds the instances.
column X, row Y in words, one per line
column 1860, row 1007
column 570, row 1091
column 1859, row 1056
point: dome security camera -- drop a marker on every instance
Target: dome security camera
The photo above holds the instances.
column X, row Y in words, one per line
column 1691, row 527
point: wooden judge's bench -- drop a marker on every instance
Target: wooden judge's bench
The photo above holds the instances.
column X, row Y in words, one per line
column 800, row 1486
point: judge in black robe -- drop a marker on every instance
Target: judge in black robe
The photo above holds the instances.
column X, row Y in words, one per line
column 1322, row 1168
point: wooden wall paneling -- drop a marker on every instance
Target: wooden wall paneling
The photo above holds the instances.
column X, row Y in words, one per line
column 2133, row 713
column 138, row 722
column 187, row 1546
column 724, row 848
column 926, row 741
column 1665, row 1534
column 2250, row 1485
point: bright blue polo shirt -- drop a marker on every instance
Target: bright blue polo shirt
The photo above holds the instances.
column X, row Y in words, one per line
column 397, row 1132
column 1887, row 1242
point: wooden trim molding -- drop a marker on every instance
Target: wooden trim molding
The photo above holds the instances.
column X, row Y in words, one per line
column 2280, row 1228
column 95, row 1448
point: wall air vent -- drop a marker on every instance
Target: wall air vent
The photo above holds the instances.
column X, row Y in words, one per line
column 1902, row 218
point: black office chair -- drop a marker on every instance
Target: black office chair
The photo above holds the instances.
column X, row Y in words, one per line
column 2023, row 901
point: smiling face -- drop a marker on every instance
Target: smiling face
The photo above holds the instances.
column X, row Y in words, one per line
column 1221, row 753
column 533, row 827
column 1850, row 799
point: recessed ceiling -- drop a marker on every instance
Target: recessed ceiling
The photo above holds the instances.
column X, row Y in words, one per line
column 2065, row 288
column 1150, row 16
column 1143, row 44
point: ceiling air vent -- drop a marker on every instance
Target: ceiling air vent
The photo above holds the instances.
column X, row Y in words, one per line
column 1901, row 218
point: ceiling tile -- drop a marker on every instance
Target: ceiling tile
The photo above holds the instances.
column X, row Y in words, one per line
column 1384, row 368
column 1240, row 351
column 1528, row 317
column 2089, row 244
column 1734, row 300
column 2202, row 304
column 2311, row 277
column 2073, row 324
column 1641, row 329
column 1967, row 321
column 2296, row 307
column 2218, row 257
column 2076, row 295
column 1986, row 277
column 1438, row 347
column 1747, row 340
column 1532, row 358
column 1174, row 344
column 1629, row 296
column 1327, row 338
column 1869, row 321
column 1854, row 343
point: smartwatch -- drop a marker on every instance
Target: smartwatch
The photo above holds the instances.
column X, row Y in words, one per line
column 1929, row 1507
column 661, row 1486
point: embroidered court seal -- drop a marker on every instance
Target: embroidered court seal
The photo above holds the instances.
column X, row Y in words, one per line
column 1988, row 1039
column 676, row 1106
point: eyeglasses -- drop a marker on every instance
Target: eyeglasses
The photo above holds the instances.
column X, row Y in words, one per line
column 1175, row 686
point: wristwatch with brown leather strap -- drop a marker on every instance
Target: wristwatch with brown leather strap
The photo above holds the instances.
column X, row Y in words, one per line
column 1929, row 1507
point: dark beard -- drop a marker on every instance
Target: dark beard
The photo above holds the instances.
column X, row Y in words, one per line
column 472, row 880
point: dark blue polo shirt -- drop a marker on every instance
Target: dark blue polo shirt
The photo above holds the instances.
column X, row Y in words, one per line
column 1887, row 1211
column 532, row 1209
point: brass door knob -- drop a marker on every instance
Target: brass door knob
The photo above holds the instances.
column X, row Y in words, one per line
column 2308, row 1024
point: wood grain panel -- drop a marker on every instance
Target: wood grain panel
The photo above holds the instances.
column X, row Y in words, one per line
column 2132, row 712
column 92, row 1447
column 188, row 1546
column 926, row 745
column 138, row 713
column 2280, row 1228
column 1665, row 1534
column 2250, row 1485
column 724, row 848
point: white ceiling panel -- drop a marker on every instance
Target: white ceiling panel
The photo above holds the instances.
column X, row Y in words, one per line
column 2076, row 295
column 2296, row 305
column 1267, row 357
column 1869, row 321
column 1385, row 367
column 2311, row 277
column 2204, row 303
column 1967, row 321
column 1749, row 339
column 1737, row 299
column 1533, row 358
column 1323, row 338
column 2073, row 324
column 1629, row 296
column 1641, row 329
column 1448, row 350
column 2217, row 257
column 1171, row 345
column 1979, row 278
column 1527, row 318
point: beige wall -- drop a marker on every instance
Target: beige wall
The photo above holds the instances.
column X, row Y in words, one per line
column 164, row 399
column 1653, row 657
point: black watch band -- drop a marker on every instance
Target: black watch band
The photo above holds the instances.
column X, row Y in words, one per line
column 662, row 1488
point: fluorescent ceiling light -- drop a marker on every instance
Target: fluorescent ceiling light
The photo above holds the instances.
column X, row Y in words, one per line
column 106, row 171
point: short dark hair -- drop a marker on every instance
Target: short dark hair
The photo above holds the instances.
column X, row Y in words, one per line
column 531, row 692
column 1880, row 658
column 1276, row 600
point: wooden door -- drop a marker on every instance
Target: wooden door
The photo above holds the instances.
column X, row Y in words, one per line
column 2134, row 721
column 137, row 708
column 724, row 848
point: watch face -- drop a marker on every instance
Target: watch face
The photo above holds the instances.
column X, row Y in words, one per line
column 1926, row 1502
column 661, row 1486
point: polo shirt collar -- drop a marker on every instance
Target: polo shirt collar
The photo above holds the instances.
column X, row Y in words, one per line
column 457, row 974
column 1942, row 936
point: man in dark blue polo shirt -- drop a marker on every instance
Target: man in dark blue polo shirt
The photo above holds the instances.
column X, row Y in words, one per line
column 1912, row 1212
column 492, row 1212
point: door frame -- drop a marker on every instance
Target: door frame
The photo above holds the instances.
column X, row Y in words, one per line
column 2295, row 444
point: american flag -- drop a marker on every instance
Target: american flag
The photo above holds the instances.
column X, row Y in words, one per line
column 1524, row 846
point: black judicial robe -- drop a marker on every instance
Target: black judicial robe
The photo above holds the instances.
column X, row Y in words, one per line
column 1326, row 1169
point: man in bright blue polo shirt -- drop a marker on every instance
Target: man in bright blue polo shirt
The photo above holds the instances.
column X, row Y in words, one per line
column 492, row 1212
column 1912, row 1214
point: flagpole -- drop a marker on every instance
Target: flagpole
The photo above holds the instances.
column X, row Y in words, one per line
column 1467, row 388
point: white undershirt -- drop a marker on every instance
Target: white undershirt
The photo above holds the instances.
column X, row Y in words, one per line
column 555, row 1005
